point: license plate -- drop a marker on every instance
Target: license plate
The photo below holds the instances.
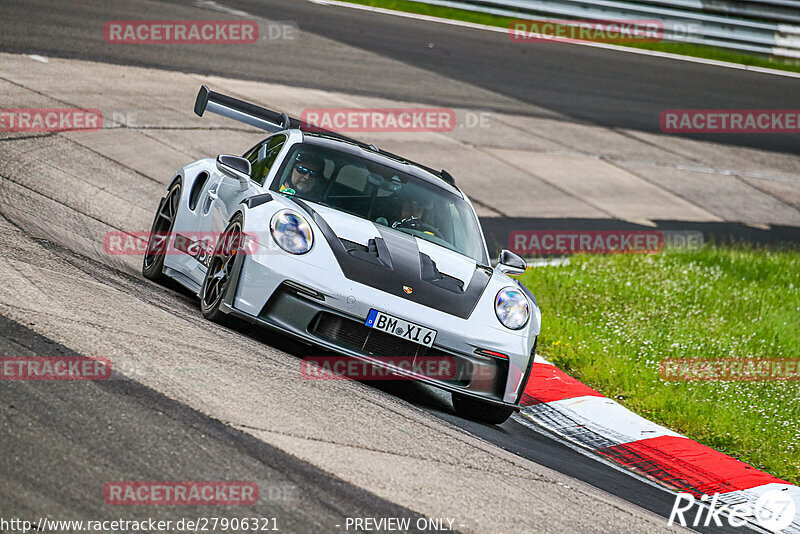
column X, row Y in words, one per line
column 400, row 328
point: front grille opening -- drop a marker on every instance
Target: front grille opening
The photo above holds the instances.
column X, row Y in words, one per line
column 464, row 369
column 482, row 375
column 339, row 329
column 360, row 337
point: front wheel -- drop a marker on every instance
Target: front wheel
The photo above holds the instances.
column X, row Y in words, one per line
column 476, row 410
column 160, row 234
column 220, row 273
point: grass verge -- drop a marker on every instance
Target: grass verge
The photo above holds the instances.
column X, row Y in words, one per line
column 610, row 320
column 685, row 49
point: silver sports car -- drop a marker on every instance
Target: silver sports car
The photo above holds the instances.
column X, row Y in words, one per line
column 352, row 249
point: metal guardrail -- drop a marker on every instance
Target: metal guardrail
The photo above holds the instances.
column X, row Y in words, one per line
column 769, row 27
column 778, row 10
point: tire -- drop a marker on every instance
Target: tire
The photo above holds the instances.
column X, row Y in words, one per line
column 163, row 224
column 218, row 276
column 476, row 410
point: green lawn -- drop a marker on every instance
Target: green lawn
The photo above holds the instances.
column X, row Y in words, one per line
column 708, row 52
column 609, row 321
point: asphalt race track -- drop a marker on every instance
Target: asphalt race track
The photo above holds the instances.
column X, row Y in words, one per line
column 370, row 54
column 144, row 432
column 191, row 400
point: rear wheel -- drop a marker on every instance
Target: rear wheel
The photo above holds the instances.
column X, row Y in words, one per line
column 476, row 410
column 219, row 273
column 160, row 233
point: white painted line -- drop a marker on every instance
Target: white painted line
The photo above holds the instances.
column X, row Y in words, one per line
column 594, row 421
column 474, row 26
column 210, row 4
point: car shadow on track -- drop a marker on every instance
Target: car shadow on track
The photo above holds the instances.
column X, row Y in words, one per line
column 422, row 396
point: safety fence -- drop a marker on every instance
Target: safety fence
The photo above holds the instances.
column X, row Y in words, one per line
column 769, row 27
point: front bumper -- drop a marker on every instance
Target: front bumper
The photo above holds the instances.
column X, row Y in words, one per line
column 266, row 296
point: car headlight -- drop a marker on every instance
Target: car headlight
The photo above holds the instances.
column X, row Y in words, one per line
column 511, row 308
column 291, row 232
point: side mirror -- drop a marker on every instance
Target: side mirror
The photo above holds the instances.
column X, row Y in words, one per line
column 235, row 167
column 510, row 263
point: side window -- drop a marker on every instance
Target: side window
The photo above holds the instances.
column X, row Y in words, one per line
column 263, row 157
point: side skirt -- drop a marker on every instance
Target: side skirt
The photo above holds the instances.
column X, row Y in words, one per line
column 183, row 280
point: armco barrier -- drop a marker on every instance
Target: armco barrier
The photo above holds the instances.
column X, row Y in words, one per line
column 769, row 27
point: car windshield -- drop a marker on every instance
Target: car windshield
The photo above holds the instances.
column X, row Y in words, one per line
column 383, row 195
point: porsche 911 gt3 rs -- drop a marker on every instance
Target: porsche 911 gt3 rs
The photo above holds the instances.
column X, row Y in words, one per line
column 352, row 249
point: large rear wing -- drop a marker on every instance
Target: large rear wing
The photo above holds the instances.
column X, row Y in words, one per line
column 239, row 110
column 272, row 121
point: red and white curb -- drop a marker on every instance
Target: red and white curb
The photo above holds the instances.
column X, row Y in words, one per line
column 580, row 415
